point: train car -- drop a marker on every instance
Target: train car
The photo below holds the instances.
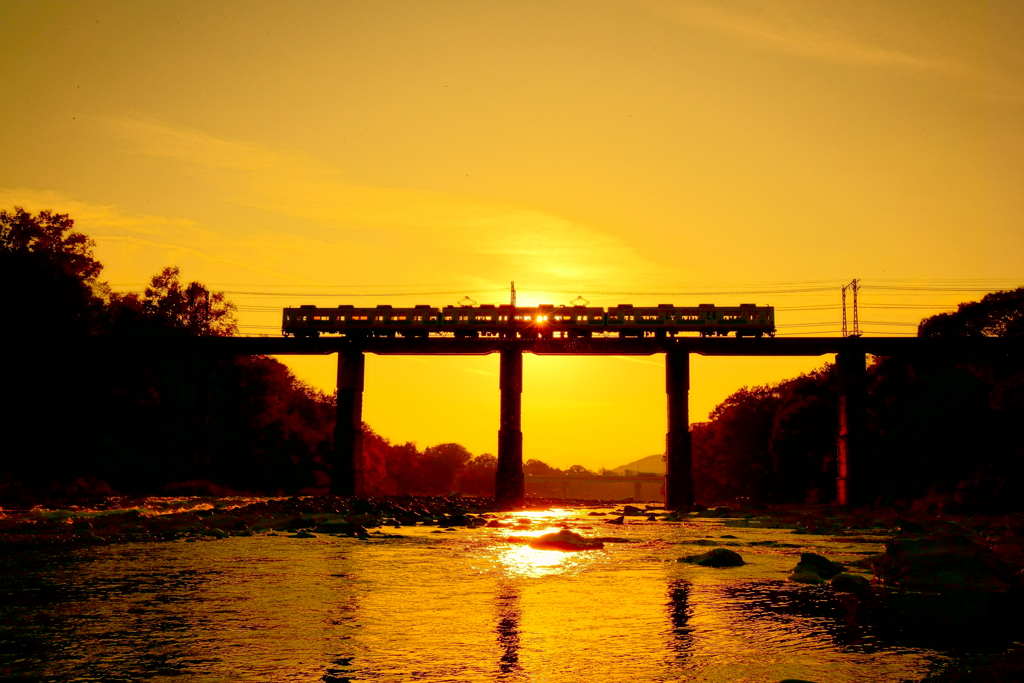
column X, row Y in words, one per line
column 636, row 321
column 576, row 321
column 469, row 322
column 666, row 320
column 352, row 321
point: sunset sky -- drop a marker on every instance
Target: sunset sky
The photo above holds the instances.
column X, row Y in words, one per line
column 641, row 151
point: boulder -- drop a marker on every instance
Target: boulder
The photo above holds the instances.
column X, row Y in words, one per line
column 719, row 557
column 617, row 520
column 816, row 564
column 850, row 583
column 565, row 540
column 938, row 562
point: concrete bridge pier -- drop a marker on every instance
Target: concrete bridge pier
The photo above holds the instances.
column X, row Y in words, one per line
column 851, row 367
column 509, row 484
column 347, row 467
column 678, row 450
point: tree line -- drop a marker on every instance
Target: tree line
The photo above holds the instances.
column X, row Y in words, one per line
column 942, row 433
column 143, row 412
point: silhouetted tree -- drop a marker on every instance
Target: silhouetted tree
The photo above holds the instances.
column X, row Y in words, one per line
column 1000, row 314
column 477, row 478
column 49, row 273
column 731, row 454
column 167, row 305
column 539, row 468
column 946, row 429
column 441, row 464
column 803, row 439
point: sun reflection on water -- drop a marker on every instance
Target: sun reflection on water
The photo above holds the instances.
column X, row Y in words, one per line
column 518, row 559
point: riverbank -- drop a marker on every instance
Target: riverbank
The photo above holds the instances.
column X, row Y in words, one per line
column 125, row 518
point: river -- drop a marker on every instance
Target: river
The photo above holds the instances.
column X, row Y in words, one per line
column 417, row 603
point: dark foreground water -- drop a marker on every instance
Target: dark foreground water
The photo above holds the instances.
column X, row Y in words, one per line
column 461, row 605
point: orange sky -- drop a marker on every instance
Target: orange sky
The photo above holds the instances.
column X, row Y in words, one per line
column 378, row 152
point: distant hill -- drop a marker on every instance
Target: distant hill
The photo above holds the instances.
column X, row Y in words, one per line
column 651, row 464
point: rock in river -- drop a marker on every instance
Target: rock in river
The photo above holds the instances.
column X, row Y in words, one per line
column 943, row 562
column 850, row 583
column 816, row 564
column 565, row 540
column 719, row 557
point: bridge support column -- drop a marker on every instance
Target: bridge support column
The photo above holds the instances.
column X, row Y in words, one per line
column 509, row 485
column 850, row 447
column 679, row 456
column 347, row 467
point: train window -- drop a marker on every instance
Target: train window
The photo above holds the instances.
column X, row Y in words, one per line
column 649, row 317
column 463, row 318
column 448, row 318
column 433, row 318
column 417, row 318
column 378, row 318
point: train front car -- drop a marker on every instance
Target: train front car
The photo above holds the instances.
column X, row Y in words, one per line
column 301, row 322
column 751, row 320
column 708, row 320
column 745, row 320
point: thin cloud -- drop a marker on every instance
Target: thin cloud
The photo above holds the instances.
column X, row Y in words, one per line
column 91, row 216
column 300, row 186
column 821, row 41
column 120, row 236
column 642, row 361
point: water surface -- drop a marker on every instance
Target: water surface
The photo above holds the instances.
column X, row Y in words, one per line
column 461, row 605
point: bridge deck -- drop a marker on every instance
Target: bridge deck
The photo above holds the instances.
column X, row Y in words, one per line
column 710, row 346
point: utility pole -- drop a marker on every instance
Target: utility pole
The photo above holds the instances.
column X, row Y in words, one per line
column 854, row 287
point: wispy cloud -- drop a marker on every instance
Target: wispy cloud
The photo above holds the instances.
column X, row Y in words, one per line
column 642, row 361
column 298, row 185
column 86, row 214
column 134, row 246
column 805, row 33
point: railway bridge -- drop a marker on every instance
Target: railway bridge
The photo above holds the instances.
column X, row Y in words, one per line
column 851, row 357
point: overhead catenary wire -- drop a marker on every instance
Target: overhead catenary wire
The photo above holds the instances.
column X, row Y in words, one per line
column 814, row 302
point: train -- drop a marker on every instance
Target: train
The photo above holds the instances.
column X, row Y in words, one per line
column 529, row 322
